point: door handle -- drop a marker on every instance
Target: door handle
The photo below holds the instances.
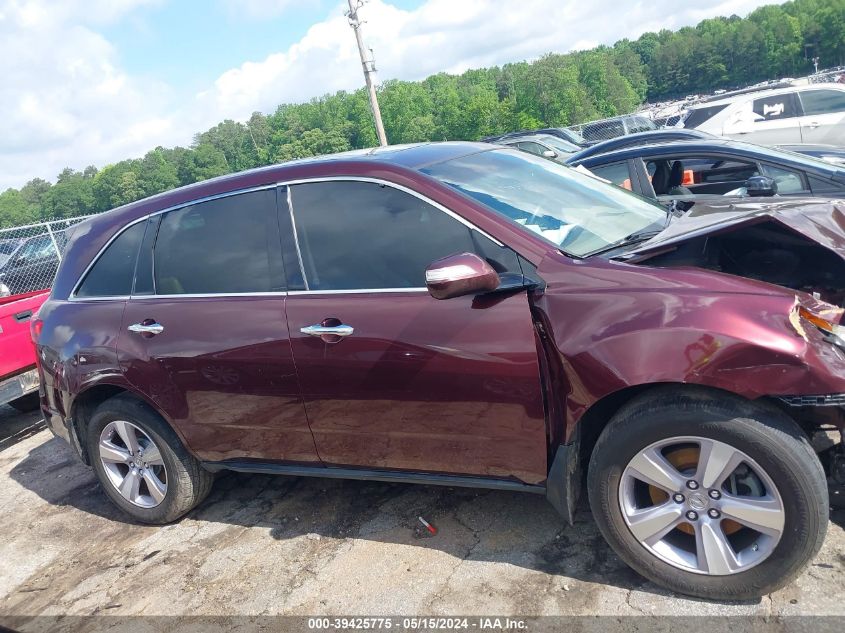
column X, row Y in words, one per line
column 144, row 327
column 322, row 330
column 814, row 124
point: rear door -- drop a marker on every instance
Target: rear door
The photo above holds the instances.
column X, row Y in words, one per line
column 823, row 120
column 204, row 333
column 413, row 383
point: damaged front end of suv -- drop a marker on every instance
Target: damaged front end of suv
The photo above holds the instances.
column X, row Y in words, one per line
column 798, row 245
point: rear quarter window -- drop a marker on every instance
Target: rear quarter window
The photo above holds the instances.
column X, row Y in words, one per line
column 701, row 115
column 112, row 274
column 782, row 106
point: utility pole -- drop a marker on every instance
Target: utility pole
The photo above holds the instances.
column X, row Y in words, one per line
column 369, row 66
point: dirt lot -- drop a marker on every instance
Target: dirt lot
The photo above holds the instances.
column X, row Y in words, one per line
column 263, row 545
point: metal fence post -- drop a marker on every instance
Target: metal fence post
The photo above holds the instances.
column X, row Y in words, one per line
column 53, row 239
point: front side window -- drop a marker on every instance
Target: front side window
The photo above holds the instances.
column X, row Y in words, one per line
column 111, row 275
column 216, row 247
column 577, row 213
column 704, row 174
column 787, row 180
column 782, row 106
column 822, row 101
column 361, row 235
column 617, row 173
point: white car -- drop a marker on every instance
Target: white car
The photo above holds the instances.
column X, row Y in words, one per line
column 813, row 113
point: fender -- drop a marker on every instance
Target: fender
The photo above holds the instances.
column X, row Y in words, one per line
column 633, row 334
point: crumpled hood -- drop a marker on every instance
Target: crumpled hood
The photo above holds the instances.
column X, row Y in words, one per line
column 822, row 221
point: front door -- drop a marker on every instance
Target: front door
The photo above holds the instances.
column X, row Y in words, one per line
column 401, row 380
column 208, row 340
column 824, row 116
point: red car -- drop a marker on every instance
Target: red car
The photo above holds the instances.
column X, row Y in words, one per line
column 466, row 315
column 18, row 376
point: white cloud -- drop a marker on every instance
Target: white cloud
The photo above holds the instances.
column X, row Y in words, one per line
column 63, row 98
column 66, row 101
column 264, row 9
column 441, row 35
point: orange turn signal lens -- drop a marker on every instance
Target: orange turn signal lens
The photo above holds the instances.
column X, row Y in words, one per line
column 816, row 320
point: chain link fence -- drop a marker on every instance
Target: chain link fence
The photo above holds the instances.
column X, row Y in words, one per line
column 605, row 129
column 30, row 255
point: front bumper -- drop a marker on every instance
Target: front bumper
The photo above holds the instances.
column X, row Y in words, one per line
column 18, row 386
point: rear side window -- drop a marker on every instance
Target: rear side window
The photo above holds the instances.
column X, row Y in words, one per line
column 362, row 236
column 531, row 148
column 111, row 275
column 783, row 106
column 216, row 247
column 823, row 101
column 700, row 115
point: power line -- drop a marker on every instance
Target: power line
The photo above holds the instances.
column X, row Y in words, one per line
column 369, row 67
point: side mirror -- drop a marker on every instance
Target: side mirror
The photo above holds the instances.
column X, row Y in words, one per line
column 549, row 153
column 758, row 186
column 460, row 275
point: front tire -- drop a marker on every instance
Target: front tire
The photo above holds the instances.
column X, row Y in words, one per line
column 141, row 464
column 708, row 494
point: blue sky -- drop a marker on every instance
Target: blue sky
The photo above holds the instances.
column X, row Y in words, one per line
column 91, row 82
column 154, row 42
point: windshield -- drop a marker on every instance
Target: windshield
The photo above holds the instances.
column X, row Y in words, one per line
column 577, row 213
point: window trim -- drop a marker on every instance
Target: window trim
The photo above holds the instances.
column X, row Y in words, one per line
column 282, row 183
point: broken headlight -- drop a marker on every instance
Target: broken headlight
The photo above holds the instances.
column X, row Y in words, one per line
column 833, row 332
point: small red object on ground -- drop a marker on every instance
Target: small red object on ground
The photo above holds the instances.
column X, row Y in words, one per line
column 428, row 526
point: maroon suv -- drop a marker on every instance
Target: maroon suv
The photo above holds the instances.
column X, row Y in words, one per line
column 465, row 315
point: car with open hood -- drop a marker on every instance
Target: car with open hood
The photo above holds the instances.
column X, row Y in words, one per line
column 463, row 314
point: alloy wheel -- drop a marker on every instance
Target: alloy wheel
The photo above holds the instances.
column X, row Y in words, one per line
column 701, row 505
column 133, row 464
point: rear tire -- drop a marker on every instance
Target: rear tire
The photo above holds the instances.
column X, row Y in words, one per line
column 168, row 480
column 763, row 437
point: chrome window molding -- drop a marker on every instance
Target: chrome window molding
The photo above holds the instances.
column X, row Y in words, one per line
column 287, row 183
column 107, row 298
column 207, row 295
column 357, row 291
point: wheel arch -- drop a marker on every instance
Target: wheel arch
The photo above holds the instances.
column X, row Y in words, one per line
column 594, row 420
column 87, row 401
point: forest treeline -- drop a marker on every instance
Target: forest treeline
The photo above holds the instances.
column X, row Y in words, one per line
column 555, row 90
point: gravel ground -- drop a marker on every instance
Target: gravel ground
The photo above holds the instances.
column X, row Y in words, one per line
column 263, row 545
